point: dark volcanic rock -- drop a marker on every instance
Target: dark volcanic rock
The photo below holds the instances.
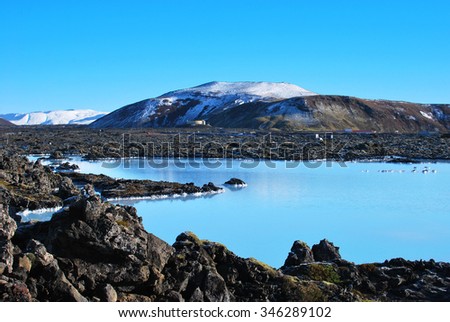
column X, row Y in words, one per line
column 210, row 188
column 12, row 290
column 108, row 293
column 56, row 155
column 201, row 270
column 67, row 189
column 7, row 230
column 88, row 246
column 394, row 280
column 121, row 188
column 46, row 281
column 66, row 166
column 236, row 182
column 88, row 190
column 191, row 273
column 300, row 254
column 28, row 185
column 325, row 251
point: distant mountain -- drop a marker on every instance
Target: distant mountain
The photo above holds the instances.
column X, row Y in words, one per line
column 276, row 106
column 54, row 117
column 179, row 107
column 5, row 123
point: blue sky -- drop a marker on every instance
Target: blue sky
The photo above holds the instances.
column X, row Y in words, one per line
column 106, row 54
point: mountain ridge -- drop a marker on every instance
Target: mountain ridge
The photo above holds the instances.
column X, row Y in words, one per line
column 56, row 117
column 276, row 106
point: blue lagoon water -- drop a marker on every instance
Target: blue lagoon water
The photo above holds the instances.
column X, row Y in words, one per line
column 372, row 215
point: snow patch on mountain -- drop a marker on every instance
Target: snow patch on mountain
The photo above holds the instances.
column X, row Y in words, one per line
column 427, row 115
column 59, row 117
column 259, row 89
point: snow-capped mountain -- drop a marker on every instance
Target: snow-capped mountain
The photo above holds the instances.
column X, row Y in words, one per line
column 276, row 106
column 54, row 117
column 179, row 107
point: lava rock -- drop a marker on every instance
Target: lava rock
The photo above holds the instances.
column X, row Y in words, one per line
column 48, row 281
column 7, row 230
column 66, row 166
column 12, row 290
column 300, row 253
column 67, row 189
column 88, row 190
column 236, row 182
column 325, row 251
column 56, row 155
column 108, row 293
column 210, row 187
column 111, row 188
column 89, row 245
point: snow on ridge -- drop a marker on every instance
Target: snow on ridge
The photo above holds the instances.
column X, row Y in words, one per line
column 54, row 117
column 211, row 97
column 255, row 89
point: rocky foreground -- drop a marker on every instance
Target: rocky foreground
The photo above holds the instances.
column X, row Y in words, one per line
column 92, row 250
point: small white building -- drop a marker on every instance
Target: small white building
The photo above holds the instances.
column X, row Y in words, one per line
column 196, row 122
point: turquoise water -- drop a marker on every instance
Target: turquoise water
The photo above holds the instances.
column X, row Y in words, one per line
column 371, row 215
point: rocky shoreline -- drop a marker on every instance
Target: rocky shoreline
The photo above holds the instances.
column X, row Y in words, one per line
column 116, row 189
column 93, row 250
column 97, row 251
column 26, row 185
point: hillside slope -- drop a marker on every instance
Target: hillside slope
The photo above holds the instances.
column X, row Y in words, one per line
column 276, row 106
column 5, row 123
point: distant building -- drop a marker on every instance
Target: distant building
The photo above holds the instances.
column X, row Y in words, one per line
column 196, row 122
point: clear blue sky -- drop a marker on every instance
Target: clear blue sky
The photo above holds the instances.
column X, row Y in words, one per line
column 106, row 54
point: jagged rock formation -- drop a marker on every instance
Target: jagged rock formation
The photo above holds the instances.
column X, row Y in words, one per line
column 300, row 253
column 393, row 280
column 99, row 249
column 325, row 251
